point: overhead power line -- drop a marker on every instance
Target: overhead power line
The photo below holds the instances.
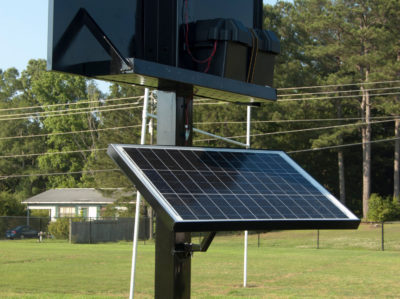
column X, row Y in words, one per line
column 298, row 131
column 294, row 120
column 319, row 95
column 73, row 113
column 89, row 109
column 200, row 140
column 339, row 85
column 342, row 145
column 336, row 92
column 391, row 118
column 338, row 97
column 12, row 176
column 69, row 104
column 69, row 133
column 54, row 153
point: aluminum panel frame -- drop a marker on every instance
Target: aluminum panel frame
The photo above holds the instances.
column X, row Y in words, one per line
column 177, row 224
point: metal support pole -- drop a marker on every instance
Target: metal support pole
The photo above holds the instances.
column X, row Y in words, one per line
column 219, row 137
column 70, row 231
column 151, row 133
column 318, row 239
column 137, row 212
column 173, row 266
column 248, row 129
column 245, row 260
column 90, row 229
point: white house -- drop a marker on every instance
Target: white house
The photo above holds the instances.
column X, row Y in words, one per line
column 70, row 202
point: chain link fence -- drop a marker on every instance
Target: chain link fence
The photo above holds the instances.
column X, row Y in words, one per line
column 370, row 235
column 83, row 230
column 11, row 222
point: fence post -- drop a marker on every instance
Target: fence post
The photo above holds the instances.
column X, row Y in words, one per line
column 90, row 230
column 383, row 236
column 317, row 238
column 70, row 231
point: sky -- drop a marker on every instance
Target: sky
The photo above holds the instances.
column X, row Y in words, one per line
column 23, row 32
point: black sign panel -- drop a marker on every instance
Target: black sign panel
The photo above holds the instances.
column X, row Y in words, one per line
column 197, row 45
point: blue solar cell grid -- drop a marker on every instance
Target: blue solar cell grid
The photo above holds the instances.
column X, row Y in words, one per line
column 234, row 185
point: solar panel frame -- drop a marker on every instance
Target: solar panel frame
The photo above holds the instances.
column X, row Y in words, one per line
column 161, row 201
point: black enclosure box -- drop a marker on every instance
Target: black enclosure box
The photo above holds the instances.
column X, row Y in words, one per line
column 144, row 42
column 237, row 52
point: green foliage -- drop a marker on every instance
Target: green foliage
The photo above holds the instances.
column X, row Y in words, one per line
column 39, row 213
column 122, row 206
column 383, row 208
column 60, row 228
column 10, row 206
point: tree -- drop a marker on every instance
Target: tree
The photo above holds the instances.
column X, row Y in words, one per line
column 51, row 89
column 10, row 206
column 346, row 45
column 14, row 124
column 127, row 117
column 390, row 12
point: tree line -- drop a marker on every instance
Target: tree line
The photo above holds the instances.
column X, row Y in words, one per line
column 337, row 114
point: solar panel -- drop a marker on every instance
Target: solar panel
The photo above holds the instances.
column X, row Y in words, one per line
column 209, row 189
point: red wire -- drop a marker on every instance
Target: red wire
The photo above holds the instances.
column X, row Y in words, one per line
column 207, row 60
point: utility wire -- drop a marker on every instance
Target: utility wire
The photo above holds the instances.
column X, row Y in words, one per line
column 294, row 120
column 298, row 131
column 72, row 113
column 342, row 145
column 44, row 113
column 199, row 140
column 338, row 97
column 54, row 153
column 291, row 97
column 334, row 92
column 68, row 133
column 339, row 85
column 141, row 97
column 197, row 123
column 68, row 104
column 4, row 177
column 392, row 118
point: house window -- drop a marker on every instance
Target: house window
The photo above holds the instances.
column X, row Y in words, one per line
column 83, row 212
column 67, row 212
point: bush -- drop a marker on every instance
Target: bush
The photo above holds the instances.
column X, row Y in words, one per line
column 383, row 209
column 60, row 228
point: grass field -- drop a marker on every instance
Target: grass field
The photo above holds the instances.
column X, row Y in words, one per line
column 286, row 265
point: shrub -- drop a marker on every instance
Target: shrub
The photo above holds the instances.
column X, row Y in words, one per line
column 60, row 228
column 383, row 209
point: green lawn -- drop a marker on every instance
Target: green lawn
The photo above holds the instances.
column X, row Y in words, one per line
column 349, row 264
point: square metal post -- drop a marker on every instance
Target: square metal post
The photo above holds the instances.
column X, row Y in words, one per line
column 173, row 264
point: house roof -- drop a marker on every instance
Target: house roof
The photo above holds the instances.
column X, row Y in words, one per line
column 74, row 196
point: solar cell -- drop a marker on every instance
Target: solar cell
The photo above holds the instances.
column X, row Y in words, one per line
column 208, row 189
